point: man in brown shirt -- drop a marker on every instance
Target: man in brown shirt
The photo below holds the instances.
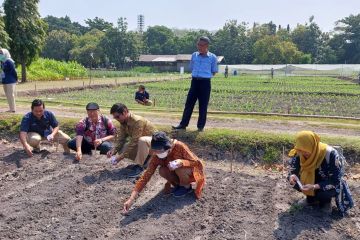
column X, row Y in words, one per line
column 138, row 131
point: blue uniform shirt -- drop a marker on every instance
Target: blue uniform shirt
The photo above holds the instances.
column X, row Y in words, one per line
column 42, row 126
column 203, row 66
column 9, row 75
column 141, row 96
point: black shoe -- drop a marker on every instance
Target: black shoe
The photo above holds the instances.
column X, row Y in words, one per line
column 178, row 127
column 200, row 129
column 136, row 171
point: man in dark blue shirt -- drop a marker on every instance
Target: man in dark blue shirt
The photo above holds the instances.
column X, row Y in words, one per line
column 142, row 96
column 203, row 67
column 40, row 124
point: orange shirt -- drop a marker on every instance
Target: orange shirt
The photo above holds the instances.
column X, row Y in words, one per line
column 178, row 151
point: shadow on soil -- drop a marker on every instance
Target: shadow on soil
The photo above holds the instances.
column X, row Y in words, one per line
column 294, row 224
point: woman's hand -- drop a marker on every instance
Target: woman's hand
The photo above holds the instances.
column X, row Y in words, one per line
column 292, row 179
column 175, row 164
column 129, row 202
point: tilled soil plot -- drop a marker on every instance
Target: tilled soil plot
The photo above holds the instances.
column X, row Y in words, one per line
column 50, row 197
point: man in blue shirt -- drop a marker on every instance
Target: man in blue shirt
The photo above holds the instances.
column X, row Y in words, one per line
column 142, row 96
column 203, row 66
column 40, row 124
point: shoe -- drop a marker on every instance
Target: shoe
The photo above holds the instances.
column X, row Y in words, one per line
column 182, row 191
column 200, row 129
column 326, row 208
column 178, row 127
column 136, row 171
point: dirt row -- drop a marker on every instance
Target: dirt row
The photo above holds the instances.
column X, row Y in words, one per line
column 50, row 197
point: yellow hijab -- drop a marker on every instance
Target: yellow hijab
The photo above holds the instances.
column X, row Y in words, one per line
column 309, row 142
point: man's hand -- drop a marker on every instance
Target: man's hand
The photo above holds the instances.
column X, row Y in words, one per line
column 50, row 138
column 98, row 142
column 78, row 155
column 110, row 153
column 309, row 187
column 28, row 149
column 175, row 164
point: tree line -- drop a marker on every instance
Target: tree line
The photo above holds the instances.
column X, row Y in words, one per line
column 103, row 44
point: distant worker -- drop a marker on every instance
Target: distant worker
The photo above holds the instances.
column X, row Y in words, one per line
column 316, row 170
column 203, row 67
column 177, row 164
column 94, row 132
column 226, row 71
column 142, row 96
column 9, row 78
column 40, row 124
column 272, row 73
column 359, row 77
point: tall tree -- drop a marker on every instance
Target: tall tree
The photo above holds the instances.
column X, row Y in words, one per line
column 121, row 47
column 58, row 45
column 348, row 39
column 87, row 49
column 99, row 24
column 4, row 36
column 26, row 30
column 308, row 38
column 160, row 40
column 232, row 42
column 65, row 24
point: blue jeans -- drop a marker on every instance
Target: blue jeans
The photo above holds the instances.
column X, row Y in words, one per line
column 87, row 147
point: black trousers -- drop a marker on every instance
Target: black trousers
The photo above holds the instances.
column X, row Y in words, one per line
column 323, row 197
column 200, row 90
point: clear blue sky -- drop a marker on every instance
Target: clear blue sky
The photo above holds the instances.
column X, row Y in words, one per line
column 210, row 14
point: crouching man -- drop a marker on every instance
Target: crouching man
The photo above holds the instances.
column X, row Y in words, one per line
column 40, row 124
column 178, row 165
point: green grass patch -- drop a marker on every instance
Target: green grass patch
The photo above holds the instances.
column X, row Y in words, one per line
column 266, row 148
column 49, row 69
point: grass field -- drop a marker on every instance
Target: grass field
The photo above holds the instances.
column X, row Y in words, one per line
column 290, row 95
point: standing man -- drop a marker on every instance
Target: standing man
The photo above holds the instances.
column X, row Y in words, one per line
column 138, row 131
column 40, row 124
column 94, row 132
column 203, row 67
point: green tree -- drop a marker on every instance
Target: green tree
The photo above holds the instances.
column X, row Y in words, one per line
column 58, row 45
column 348, row 39
column 65, row 24
column 26, row 30
column 121, row 47
column 272, row 50
column 87, row 49
column 187, row 42
column 98, row 23
column 232, row 42
column 4, row 37
column 160, row 40
column 308, row 38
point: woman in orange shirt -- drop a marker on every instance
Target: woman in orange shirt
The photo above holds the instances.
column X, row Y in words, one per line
column 178, row 165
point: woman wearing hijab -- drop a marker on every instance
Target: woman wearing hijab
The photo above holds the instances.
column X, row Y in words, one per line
column 316, row 169
column 178, row 165
column 9, row 78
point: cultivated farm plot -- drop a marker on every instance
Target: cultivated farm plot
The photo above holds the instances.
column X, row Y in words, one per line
column 289, row 95
column 50, row 197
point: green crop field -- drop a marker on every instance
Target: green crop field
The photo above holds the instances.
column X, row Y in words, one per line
column 249, row 93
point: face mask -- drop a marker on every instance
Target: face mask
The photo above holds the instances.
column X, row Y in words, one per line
column 2, row 57
column 163, row 155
